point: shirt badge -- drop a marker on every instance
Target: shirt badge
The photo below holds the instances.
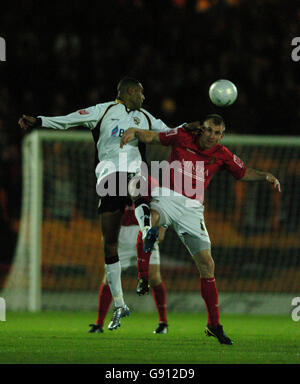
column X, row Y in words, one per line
column 238, row 161
column 83, row 112
column 136, row 120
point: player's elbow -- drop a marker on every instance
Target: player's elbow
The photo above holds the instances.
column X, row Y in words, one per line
column 250, row 175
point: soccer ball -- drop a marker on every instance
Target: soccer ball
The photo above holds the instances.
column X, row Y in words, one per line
column 223, row 93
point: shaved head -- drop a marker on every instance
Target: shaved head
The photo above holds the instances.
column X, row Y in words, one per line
column 130, row 92
column 125, row 83
column 216, row 120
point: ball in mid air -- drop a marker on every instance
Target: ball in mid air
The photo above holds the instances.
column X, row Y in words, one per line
column 223, row 93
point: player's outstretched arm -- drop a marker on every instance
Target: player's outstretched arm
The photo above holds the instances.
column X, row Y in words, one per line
column 87, row 117
column 252, row 174
column 145, row 136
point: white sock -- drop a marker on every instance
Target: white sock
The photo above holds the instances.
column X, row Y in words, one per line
column 143, row 216
column 113, row 276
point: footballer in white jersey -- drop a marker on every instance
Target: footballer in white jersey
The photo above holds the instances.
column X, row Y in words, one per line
column 108, row 122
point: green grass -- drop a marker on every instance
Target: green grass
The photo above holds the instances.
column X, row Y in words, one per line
column 61, row 337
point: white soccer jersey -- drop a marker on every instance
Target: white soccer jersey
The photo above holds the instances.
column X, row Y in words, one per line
column 108, row 122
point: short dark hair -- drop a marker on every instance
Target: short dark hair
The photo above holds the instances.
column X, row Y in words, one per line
column 216, row 119
column 126, row 82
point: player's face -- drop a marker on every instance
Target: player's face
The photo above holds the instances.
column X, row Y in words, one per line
column 211, row 135
column 137, row 98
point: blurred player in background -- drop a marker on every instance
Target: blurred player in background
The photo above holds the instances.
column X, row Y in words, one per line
column 185, row 211
column 108, row 122
column 130, row 255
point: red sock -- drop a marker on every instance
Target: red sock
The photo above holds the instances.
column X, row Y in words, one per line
column 143, row 258
column 160, row 298
column 104, row 301
column 210, row 295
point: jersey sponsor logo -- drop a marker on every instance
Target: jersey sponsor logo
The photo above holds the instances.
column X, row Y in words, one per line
column 238, row 161
column 115, row 131
column 83, row 112
column 137, row 120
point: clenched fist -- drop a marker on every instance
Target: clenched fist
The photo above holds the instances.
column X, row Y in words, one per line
column 27, row 122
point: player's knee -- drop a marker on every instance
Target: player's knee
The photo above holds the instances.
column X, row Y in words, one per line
column 205, row 263
column 154, row 281
column 110, row 250
column 210, row 265
column 154, row 276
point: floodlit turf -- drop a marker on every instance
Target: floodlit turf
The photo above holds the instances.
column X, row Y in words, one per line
column 61, row 337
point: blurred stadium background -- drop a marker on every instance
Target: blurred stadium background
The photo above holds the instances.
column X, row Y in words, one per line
column 60, row 59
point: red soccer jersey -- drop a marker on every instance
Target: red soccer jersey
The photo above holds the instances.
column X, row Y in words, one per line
column 202, row 164
column 129, row 215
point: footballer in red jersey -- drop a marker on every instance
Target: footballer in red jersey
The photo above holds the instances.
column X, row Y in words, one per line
column 203, row 161
column 184, row 212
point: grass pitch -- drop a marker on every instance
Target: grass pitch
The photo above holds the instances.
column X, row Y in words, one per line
column 62, row 338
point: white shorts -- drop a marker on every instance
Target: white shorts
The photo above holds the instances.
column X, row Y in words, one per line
column 127, row 247
column 184, row 215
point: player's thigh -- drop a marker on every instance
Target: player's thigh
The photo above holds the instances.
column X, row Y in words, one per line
column 199, row 247
column 111, row 209
column 192, row 222
column 110, row 225
column 165, row 208
column 178, row 210
column 192, row 231
column 200, row 250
